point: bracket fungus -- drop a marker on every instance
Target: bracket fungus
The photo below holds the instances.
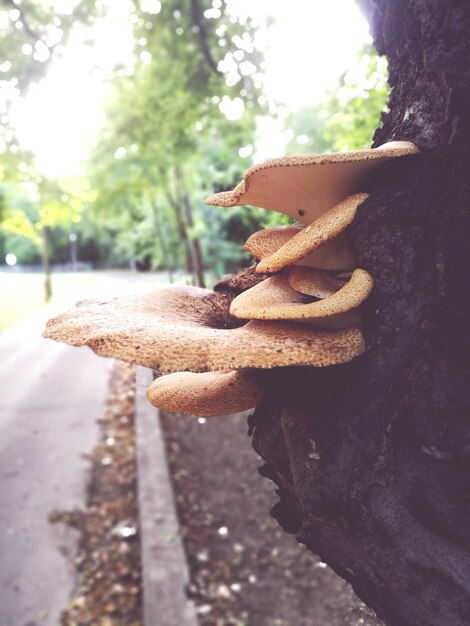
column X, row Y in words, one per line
column 275, row 299
column 305, row 187
column 312, row 282
column 312, row 237
column 333, row 254
column 299, row 308
column 208, row 394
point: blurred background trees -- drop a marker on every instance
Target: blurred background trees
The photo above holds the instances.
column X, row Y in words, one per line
column 181, row 119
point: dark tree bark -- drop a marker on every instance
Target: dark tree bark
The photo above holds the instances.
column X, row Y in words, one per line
column 186, row 220
column 372, row 459
column 196, row 251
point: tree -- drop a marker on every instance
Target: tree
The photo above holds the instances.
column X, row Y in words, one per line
column 169, row 116
column 32, row 35
column 373, row 470
column 33, row 208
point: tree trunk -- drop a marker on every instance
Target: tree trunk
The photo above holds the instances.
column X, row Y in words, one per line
column 183, row 237
column 195, row 245
column 46, row 267
column 166, row 250
column 182, row 198
column 372, row 459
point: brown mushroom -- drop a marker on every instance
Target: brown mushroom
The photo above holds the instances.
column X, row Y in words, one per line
column 207, row 394
column 314, row 236
column 335, row 254
column 264, row 242
column 304, row 187
column 312, row 282
column 180, row 328
column 274, row 299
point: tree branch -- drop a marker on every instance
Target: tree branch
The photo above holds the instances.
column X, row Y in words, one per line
column 24, row 20
column 198, row 21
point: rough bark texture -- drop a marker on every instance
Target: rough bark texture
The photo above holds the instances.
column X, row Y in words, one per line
column 372, row 459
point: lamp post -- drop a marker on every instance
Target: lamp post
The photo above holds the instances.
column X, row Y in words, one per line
column 73, row 251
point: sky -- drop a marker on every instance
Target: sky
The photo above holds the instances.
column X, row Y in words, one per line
column 310, row 45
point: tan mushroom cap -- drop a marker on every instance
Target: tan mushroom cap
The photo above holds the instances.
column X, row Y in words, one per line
column 312, row 282
column 304, row 187
column 264, row 242
column 274, row 299
column 208, row 394
column 180, row 328
column 335, row 254
column 314, row 236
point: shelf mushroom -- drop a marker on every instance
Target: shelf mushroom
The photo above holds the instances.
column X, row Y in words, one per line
column 208, row 394
column 305, row 187
column 275, row 299
column 323, row 192
column 295, row 310
column 188, row 329
column 312, row 282
column 334, row 254
column 313, row 237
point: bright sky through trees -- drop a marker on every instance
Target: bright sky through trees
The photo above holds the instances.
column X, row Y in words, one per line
column 310, row 44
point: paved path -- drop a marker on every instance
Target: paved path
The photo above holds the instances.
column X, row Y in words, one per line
column 50, row 397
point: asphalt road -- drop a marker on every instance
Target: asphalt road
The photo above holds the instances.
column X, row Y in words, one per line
column 50, row 397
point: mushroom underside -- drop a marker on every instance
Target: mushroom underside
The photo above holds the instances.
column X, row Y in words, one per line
column 304, row 187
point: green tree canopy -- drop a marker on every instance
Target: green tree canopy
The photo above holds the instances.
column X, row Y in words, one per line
column 176, row 120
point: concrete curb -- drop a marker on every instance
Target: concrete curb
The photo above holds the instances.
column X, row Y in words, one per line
column 165, row 574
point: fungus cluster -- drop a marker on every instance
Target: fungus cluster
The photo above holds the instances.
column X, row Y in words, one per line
column 302, row 309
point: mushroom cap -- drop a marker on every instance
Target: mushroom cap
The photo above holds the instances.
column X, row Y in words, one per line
column 304, row 187
column 312, row 282
column 264, row 242
column 208, row 394
column 180, row 328
column 335, row 254
column 312, row 237
column 274, row 299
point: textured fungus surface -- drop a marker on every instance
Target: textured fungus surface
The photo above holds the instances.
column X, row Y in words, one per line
column 264, row 242
column 176, row 329
column 274, row 299
column 208, row 394
column 312, row 282
column 326, row 228
column 334, row 254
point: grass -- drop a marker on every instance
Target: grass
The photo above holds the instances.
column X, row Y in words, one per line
column 23, row 293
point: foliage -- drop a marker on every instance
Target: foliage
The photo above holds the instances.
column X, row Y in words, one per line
column 177, row 119
column 180, row 124
column 33, row 207
column 32, row 34
column 348, row 116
